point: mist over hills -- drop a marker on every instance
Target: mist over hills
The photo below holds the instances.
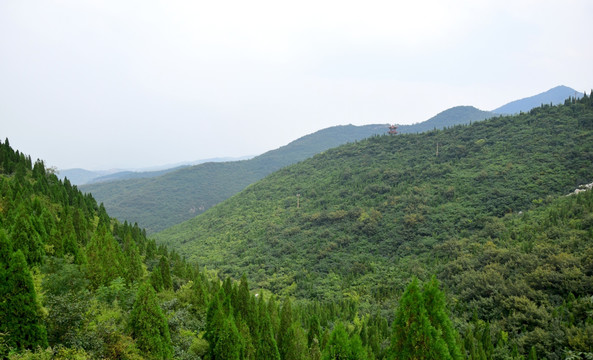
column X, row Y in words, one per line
column 157, row 200
column 83, row 176
column 554, row 96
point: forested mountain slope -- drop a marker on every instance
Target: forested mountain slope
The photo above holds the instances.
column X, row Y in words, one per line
column 75, row 284
column 360, row 219
column 159, row 202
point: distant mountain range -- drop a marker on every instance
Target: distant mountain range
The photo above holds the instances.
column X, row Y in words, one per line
column 82, row 176
column 156, row 203
column 553, row 96
column 157, row 200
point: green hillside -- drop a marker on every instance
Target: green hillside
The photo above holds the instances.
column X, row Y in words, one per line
column 159, row 202
column 372, row 214
column 76, row 284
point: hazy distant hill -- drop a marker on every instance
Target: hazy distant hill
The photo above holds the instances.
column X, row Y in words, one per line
column 81, row 176
column 553, row 96
column 162, row 201
column 453, row 116
column 159, row 202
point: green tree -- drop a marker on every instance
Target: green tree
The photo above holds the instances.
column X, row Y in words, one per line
column 104, row 257
column 342, row 347
column 134, row 270
column 267, row 347
column 414, row 337
column 149, row 325
column 24, row 236
column 285, row 333
column 436, row 309
column 21, row 312
column 165, row 272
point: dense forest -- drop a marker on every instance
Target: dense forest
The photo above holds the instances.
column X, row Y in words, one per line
column 77, row 284
column 159, row 202
column 360, row 220
column 390, row 252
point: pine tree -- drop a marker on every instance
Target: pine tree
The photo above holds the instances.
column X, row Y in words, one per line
column 436, row 308
column 24, row 236
column 285, row 333
column 165, row 273
column 149, row 325
column 267, row 347
column 242, row 304
column 134, row 270
column 414, row 337
column 105, row 258
column 338, row 345
column 20, row 315
column 314, row 330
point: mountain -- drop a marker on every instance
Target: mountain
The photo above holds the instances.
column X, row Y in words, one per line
column 450, row 117
column 553, row 96
column 159, row 202
column 482, row 206
column 82, row 176
column 124, row 175
column 375, row 198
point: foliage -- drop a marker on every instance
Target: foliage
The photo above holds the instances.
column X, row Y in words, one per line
column 159, row 202
column 149, row 325
column 488, row 215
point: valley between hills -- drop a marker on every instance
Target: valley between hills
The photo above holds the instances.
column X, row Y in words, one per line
column 464, row 241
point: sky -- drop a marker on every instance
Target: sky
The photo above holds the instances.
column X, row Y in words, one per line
column 133, row 84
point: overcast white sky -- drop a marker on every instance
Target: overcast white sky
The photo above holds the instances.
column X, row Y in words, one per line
column 130, row 84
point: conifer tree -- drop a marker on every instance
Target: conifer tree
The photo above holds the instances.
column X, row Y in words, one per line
column 414, row 337
column 156, row 279
column 134, row 270
column 228, row 344
column 267, row 347
column 165, row 273
column 314, row 330
column 24, row 236
column 242, row 304
column 285, row 332
column 340, row 346
column 21, row 313
column 70, row 242
column 104, row 257
column 436, row 308
column 149, row 325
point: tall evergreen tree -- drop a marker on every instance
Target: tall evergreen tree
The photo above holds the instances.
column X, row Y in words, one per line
column 21, row 313
column 149, row 325
column 133, row 261
column 24, row 236
column 285, row 332
column 165, row 272
column 104, row 257
column 414, row 337
column 267, row 347
column 436, row 309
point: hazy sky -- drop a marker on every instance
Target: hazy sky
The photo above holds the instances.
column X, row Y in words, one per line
column 128, row 84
